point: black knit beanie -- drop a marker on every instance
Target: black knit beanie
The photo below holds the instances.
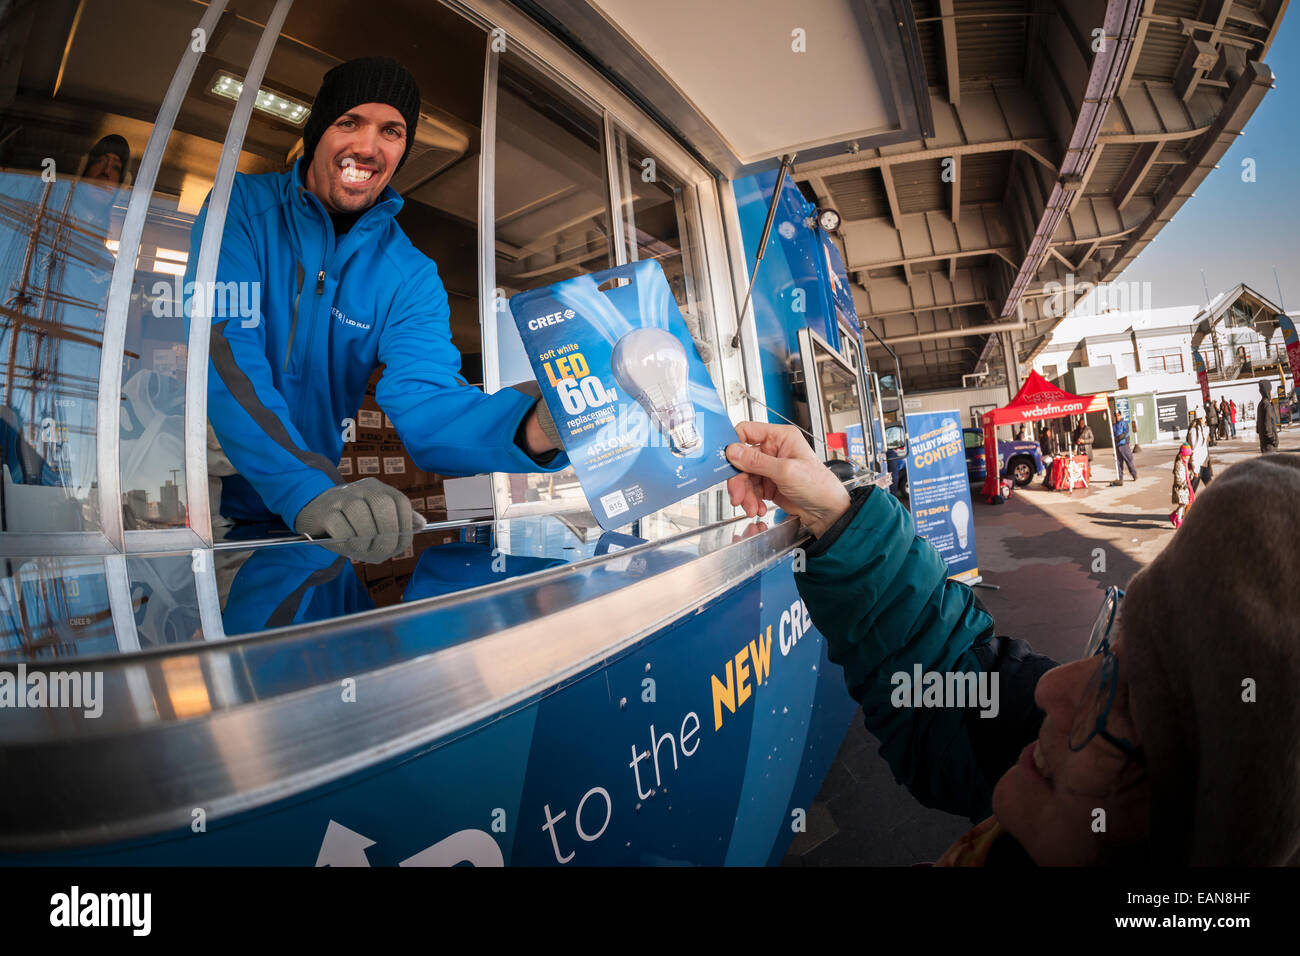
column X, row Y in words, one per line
column 371, row 79
column 115, row 144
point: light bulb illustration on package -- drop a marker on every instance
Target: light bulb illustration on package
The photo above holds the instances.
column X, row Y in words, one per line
column 633, row 403
column 652, row 367
column 961, row 522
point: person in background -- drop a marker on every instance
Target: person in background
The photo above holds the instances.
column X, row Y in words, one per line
column 1224, row 419
column 1232, row 416
column 1212, row 422
column 1266, row 419
column 108, row 162
column 1183, row 494
column 1198, row 440
column 1122, row 449
column 1084, row 438
column 1148, row 725
column 1047, row 439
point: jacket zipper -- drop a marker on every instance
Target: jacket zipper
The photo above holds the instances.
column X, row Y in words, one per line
column 293, row 326
column 311, row 332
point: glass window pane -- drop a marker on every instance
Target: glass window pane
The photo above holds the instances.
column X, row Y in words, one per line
column 54, row 607
column 74, row 133
column 659, row 213
column 552, row 223
column 164, row 599
column 660, row 216
column 152, row 445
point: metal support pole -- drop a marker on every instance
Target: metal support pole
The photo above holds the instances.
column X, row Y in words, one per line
column 786, row 162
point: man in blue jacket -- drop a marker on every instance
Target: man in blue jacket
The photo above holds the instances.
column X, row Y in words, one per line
column 340, row 290
column 1122, row 449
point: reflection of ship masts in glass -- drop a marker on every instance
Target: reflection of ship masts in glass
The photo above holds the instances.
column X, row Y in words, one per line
column 21, row 300
column 651, row 366
column 36, row 314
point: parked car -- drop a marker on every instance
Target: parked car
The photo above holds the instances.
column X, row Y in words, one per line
column 1021, row 459
column 896, row 459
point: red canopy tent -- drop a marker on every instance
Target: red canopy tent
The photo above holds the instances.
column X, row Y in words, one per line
column 1037, row 399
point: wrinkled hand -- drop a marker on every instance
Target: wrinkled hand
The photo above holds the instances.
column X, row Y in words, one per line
column 367, row 520
column 781, row 468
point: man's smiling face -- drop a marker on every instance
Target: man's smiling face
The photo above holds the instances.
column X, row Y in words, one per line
column 357, row 156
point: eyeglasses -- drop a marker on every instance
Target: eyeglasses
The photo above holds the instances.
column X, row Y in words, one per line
column 1099, row 696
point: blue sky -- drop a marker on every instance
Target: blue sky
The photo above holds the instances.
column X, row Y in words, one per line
column 1238, row 231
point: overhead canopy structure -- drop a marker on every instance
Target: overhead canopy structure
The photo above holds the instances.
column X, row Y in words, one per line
column 1037, row 399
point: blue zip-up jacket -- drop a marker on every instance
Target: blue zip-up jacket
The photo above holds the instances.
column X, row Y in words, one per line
column 881, row 597
column 282, row 384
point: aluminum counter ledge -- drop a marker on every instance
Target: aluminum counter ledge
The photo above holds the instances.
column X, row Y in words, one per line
column 241, row 722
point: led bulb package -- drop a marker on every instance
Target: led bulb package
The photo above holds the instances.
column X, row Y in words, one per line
column 633, row 402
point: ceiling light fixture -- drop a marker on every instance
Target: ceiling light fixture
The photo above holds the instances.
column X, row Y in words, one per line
column 282, row 107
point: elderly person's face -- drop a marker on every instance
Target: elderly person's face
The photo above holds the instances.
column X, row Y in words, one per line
column 1049, row 800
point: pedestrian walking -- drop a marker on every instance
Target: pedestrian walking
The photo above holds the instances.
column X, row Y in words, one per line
column 1232, row 416
column 1183, row 493
column 1211, row 421
column 1266, row 420
column 1122, row 448
column 1198, row 440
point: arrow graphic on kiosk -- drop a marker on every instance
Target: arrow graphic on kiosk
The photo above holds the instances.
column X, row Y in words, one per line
column 343, row 847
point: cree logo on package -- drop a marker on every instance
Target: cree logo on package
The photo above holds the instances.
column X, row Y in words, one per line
column 555, row 318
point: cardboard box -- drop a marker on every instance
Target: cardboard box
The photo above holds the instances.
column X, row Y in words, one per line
column 368, row 465
column 345, row 466
column 370, row 425
column 396, row 470
column 370, row 573
column 470, row 495
column 404, row 563
column 387, row 592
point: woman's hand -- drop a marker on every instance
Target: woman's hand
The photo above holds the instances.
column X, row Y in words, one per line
column 781, row 468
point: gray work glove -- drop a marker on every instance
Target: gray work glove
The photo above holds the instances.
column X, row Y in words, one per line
column 367, row 520
column 544, row 420
column 548, row 424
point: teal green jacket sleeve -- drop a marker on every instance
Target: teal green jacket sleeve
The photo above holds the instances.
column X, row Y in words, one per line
column 881, row 597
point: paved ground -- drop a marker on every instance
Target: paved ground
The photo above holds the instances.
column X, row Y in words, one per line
column 1040, row 549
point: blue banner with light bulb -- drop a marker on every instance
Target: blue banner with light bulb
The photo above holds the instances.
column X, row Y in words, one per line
column 939, row 490
column 633, row 402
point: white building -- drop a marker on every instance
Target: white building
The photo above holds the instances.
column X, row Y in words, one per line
column 1151, row 349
